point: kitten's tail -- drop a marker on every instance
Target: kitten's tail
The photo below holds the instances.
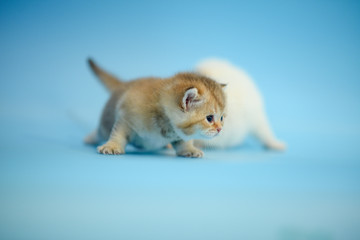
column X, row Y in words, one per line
column 111, row 83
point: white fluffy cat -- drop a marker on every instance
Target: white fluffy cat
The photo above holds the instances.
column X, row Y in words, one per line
column 245, row 112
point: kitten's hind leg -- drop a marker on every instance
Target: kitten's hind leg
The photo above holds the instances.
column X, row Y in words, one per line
column 93, row 138
column 263, row 132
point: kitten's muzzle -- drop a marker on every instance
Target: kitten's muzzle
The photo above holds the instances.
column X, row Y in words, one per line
column 218, row 129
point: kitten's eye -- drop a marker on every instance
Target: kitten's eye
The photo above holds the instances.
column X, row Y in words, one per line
column 221, row 118
column 210, row 118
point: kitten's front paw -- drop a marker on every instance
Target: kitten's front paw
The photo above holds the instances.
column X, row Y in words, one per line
column 111, row 149
column 191, row 153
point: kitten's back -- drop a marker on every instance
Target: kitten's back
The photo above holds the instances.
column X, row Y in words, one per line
column 240, row 84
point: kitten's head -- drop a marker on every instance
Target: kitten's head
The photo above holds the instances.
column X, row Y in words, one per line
column 200, row 106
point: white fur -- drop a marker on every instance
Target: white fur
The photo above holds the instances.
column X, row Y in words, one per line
column 244, row 111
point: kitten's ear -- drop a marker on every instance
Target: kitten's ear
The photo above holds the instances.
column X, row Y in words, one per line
column 191, row 99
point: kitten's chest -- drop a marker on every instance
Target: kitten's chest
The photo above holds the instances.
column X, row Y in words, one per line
column 152, row 140
column 153, row 134
column 158, row 133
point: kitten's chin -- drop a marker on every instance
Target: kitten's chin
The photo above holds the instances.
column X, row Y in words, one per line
column 209, row 135
column 197, row 135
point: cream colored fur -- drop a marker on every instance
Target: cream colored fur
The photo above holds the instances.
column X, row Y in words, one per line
column 245, row 112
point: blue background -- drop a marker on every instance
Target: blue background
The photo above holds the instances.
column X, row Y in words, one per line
column 303, row 55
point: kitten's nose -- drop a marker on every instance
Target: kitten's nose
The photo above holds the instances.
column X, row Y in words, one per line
column 218, row 130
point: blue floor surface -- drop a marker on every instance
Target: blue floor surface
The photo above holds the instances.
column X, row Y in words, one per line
column 54, row 187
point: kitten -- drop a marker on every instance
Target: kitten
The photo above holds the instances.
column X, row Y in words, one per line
column 245, row 112
column 150, row 113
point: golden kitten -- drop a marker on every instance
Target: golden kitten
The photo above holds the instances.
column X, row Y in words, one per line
column 150, row 113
